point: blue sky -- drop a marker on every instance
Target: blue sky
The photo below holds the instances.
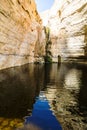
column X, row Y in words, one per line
column 43, row 5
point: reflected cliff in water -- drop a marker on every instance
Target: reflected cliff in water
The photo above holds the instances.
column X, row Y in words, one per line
column 18, row 89
column 65, row 88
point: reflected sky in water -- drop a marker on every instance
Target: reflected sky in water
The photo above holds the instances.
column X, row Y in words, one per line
column 65, row 87
column 42, row 115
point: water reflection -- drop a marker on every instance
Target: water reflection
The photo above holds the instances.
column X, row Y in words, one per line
column 72, row 79
column 66, row 90
column 42, row 116
column 18, row 88
column 82, row 98
column 65, row 87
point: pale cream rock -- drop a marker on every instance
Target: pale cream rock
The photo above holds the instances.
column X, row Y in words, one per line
column 20, row 33
column 67, row 20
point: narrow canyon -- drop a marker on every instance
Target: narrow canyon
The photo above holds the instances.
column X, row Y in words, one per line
column 23, row 38
column 28, row 40
column 67, row 21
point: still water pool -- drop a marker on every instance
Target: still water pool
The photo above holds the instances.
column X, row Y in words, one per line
column 65, row 87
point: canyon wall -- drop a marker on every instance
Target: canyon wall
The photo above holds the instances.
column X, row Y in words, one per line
column 22, row 37
column 67, row 20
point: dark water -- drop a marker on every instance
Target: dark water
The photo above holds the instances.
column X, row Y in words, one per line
column 65, row 87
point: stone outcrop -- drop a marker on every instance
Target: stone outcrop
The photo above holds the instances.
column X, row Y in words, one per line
column 21, row 34
column 67, row 21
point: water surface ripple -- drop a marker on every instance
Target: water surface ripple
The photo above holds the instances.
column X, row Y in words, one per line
column 65, row 87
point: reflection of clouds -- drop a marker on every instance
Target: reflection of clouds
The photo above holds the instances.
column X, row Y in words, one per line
column 72, row 79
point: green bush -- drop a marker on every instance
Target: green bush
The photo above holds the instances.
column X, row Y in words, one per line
column 48, row 59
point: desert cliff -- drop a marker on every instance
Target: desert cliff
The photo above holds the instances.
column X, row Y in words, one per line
column 21, row 33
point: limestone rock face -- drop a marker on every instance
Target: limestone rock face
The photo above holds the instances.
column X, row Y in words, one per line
column 67, row 20
column 21, row 33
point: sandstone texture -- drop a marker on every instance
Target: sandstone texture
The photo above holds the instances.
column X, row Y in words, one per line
column 21, row 34
column 67, row 20
column 22, row 37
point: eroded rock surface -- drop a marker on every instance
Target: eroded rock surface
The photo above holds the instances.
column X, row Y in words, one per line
column 67, row 21
column 21, row 33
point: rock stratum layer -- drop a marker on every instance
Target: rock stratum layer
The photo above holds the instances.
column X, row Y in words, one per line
column 21, row 34
column 67, row 20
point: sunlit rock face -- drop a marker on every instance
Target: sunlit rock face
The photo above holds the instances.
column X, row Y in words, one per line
column 21, row 33
column 67, row 21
